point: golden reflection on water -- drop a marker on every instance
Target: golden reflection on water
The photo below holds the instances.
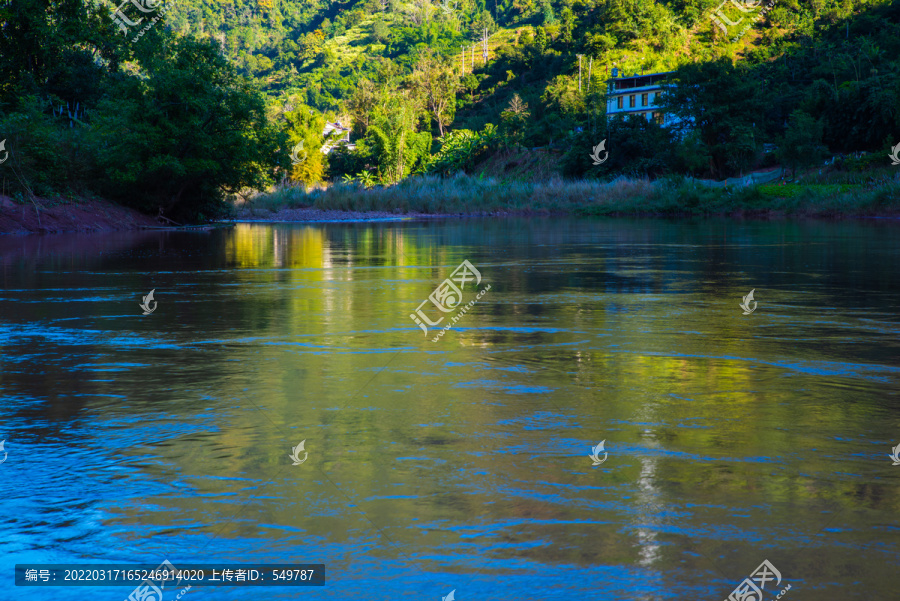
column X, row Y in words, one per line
column 744, row 428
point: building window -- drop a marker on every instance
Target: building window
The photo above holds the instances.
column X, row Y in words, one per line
column 619, row 103
column 658, row 118
column 644, row 99
column 631, row 101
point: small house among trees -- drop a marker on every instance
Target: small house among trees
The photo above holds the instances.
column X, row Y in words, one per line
column 637, row 95
column 336, row 134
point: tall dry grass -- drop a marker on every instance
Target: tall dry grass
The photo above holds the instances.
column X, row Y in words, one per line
column 460, row 194
column 466, row 195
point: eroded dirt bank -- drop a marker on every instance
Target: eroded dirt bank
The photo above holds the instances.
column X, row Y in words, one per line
column 77, row 216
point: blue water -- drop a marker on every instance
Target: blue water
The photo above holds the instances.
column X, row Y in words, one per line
column 461, row 464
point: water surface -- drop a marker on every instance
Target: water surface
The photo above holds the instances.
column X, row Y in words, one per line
column 463, row 463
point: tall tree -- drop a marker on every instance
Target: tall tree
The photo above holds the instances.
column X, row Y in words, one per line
column 397, row 146
column 186, row 131
column 801, row 145
column 361, row 104
column 305, row 127
column 61, row 48
column 721, row 103
column 437, row 83
column 514, row 118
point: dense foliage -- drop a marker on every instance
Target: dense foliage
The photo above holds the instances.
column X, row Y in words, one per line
column 211, row 99
column 160, row 123
column 835, row 60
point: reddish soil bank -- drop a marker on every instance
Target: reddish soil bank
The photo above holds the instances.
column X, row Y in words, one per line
column 78, row 216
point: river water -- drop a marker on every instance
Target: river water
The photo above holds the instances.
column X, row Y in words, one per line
column 460, row 462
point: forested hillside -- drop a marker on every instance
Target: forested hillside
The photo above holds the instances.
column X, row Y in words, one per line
column 209, row 100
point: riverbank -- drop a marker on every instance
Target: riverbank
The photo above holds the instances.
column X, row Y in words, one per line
column 872, row 196
column 45, row 215
column 426, row 197
column 314, row 215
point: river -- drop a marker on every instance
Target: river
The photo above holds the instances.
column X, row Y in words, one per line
column 458, row 462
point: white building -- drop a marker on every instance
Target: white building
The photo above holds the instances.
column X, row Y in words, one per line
column 637, row 95
column 341, row 136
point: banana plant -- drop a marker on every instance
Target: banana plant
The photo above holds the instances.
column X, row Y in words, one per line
column 365, row 178
column 462, row 149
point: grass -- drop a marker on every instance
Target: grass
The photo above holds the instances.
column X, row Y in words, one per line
column 794, row 190
column 353, row 43
column 522, row 165
column 466, row 195
column 282, row 197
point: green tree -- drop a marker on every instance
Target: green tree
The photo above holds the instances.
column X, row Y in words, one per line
column 305, row 125
column 361, row 105
column 56, row 48
column 562, row 95
column 801, row 145
column 636, row 147
column 470, row 83
column 547, row 10
column 380, row 31
column 599, row 44
column 514, row 119
column 525, row 8
column 484, row 21
column 644, row 20
column 462, row 149
column 540, row 39
column 311, row 45
column 437, row 84
column 721, row 103
column 567, row 25
column 396, row 146
column 185, row 132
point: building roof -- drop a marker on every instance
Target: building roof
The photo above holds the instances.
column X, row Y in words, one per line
column 336, row 126
column 624, row 77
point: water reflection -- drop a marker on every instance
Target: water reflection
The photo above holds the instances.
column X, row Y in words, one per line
column 459, row 464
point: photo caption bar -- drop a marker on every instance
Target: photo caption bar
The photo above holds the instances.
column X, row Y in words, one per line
column 219, row 574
